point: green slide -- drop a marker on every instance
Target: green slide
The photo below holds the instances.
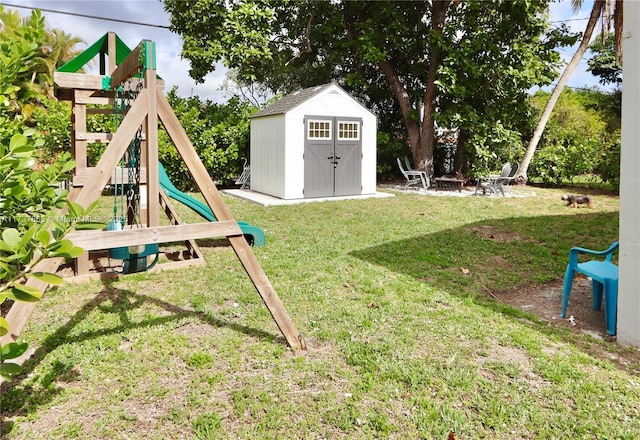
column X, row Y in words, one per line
column 254, row 235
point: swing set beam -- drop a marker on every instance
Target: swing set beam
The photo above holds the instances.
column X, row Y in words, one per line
column 95, row 240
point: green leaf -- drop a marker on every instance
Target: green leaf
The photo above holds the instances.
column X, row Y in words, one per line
column 17, row 140
column 66, row 250
column 15, row 191
column 74, row 252
column 13, row 350
column 27, row 163
column 4, row 328
column 23, row 149
column 21, row 292
column 75, row 209
column 91, row 207
column 47, row 277
column 9, row 369
column 44, row 237
column 27, row 237
column 29, row 132
column 11, row 237
column 61, row 246
column 68, row 166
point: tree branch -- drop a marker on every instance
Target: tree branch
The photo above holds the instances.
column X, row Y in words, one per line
column 306, row 38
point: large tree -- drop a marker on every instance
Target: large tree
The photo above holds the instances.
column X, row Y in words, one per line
column 604, row 63
column 391, row 50
column 607, row 10
column 484, row 81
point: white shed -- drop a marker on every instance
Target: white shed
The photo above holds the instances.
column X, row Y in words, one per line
column 316, row 142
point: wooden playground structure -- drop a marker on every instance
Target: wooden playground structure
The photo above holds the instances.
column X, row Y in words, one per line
column 135, row 71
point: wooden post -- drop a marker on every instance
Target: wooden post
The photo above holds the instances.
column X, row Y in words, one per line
column 79, row 152
column 78, row 125
column 104, row 168
column 151, row 128
column 19, row 313
column 111, row 48
column 222, row 213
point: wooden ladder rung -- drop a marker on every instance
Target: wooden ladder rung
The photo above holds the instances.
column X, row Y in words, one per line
column 104, row 138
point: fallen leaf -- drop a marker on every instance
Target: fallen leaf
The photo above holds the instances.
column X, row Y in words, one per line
column 464, row 270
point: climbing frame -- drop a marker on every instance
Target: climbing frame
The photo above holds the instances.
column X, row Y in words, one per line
column 149, row 107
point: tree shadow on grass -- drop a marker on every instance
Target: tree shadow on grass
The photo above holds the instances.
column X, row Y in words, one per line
column 499, row 254
column 490, row 260
column 16, row 398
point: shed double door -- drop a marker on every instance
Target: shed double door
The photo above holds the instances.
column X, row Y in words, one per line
column 332, row 156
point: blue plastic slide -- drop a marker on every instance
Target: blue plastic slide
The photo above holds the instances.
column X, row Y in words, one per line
column 254, row 235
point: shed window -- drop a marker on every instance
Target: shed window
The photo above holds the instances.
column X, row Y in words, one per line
column 319, row 130
column 348, row 130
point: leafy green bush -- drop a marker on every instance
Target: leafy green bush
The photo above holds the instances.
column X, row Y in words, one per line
column 18, row 48
column 31, row 230
column 30, row 194
column 53, row 122
column 580, row 138
column 608, row 166
column 389, row 147
column 491, row 146
column 218, row 132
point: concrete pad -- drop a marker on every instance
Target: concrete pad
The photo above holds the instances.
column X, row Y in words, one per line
column 267, row 200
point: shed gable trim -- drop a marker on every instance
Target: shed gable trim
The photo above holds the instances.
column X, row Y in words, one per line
column 293, row 100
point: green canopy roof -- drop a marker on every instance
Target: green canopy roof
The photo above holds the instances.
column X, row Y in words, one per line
column 99, row 47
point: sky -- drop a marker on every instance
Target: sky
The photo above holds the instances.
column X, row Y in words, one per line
column 173, row 69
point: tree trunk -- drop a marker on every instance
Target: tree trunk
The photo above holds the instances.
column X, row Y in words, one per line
column 459, row 158
column 553, row 99
column 617, row 29
column 406, row 107
column 423, row 157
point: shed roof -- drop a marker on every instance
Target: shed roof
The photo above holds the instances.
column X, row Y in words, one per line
column 292, row 100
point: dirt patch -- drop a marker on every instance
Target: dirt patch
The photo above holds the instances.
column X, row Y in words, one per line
column 492, row 233
column 546, row 302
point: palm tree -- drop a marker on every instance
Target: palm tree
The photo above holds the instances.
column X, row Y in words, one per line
column 601, row 8
column 10, row 20
column 59, row 48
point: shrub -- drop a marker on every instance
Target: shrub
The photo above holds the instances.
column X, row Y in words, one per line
column 218, row 132
column 578, row 140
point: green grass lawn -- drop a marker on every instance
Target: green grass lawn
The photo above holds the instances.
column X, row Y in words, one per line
column 392, row 296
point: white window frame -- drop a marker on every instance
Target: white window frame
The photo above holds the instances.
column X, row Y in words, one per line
column 352, row 124
column 311, row 129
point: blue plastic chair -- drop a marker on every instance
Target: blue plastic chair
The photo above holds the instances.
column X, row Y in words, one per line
column 605, row 278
